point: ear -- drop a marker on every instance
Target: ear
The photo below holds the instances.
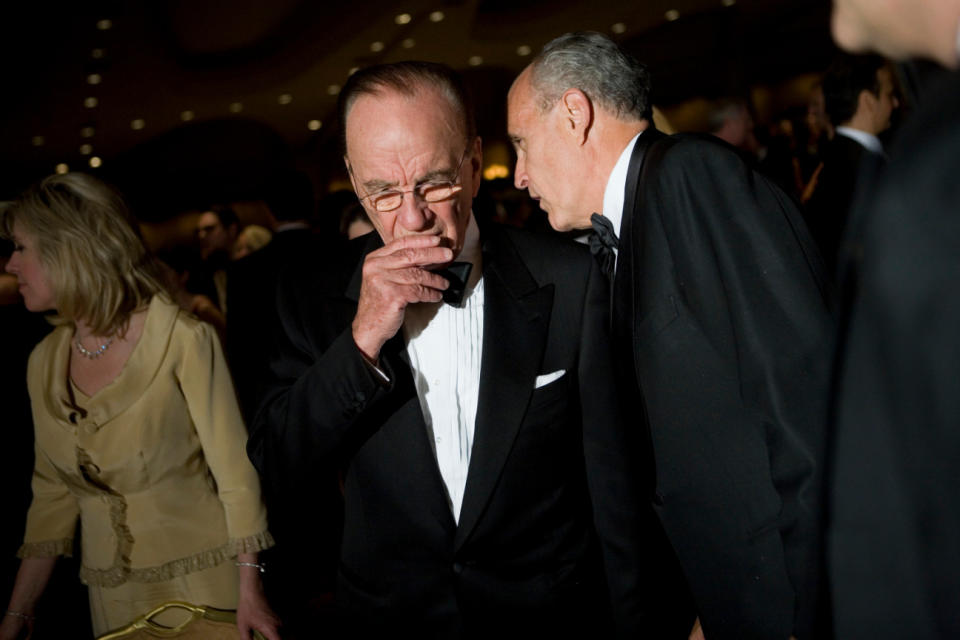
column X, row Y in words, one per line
column 577, row 114
column 866, row 101
column 476, row 164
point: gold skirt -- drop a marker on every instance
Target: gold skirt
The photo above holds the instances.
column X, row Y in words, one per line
column 115, row 607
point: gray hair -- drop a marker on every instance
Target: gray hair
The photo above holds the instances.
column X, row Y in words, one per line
column 594, row 64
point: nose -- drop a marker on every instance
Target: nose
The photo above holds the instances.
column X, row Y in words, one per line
column 520, row 180
column 13, row 264
column 414, row 215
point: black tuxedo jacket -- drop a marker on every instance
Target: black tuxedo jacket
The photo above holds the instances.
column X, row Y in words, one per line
column 894, row 534
column 550, row 467
column 828, row 209
column 252, row 291
column 721, row 314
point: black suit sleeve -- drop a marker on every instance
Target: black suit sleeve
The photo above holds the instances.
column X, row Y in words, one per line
column 319, row 388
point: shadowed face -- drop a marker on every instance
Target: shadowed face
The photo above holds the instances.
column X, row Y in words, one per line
column 402, row 143
column 33, row 283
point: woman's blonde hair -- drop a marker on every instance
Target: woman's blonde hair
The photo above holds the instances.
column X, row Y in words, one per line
column 91, row 248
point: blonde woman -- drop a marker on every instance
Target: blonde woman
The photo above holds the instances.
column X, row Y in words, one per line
column 138, row 434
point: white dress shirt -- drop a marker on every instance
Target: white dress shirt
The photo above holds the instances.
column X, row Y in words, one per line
column 445, row 344
column 615, row 192
column 866, row 140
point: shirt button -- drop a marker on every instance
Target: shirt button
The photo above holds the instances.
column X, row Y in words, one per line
column 457, row 568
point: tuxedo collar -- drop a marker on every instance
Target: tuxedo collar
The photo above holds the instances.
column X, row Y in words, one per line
column 866, row 140
column 516, row 320
column 615, row 193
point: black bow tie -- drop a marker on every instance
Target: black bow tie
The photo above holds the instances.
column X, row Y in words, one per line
column 456, row 274
column 603, row 242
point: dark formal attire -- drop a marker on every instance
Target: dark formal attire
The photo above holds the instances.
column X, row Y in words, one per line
column 549, row 506
column 252, row 291
column 300, row 585
column 894, row 534
column 721, row 315
column 828, row 209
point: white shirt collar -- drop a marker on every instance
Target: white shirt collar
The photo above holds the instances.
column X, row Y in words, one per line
column 866, row 140
column 614, row 194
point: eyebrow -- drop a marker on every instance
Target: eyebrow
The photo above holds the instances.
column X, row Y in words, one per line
column 373, row 186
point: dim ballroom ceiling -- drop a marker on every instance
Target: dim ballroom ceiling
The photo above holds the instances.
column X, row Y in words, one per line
column 193, row 89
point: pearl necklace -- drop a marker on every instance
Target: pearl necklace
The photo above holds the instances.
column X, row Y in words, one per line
column 96, row 353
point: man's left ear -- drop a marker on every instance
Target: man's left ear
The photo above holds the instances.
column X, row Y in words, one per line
column 577, row 114
column 476, row 164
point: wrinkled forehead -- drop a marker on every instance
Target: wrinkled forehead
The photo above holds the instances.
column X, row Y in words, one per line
column 389, row 117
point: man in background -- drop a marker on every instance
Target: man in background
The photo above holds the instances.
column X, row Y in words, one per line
column 860, row 97
column 894, row 529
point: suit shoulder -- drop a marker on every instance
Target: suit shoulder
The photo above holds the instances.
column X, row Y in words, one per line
column 690, row 151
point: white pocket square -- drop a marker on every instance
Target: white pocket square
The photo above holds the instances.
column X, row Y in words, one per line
column 547, row 378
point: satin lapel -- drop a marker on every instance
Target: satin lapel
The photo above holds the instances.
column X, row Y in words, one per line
column 627, row 283
column 516, row 317
column 394, row 353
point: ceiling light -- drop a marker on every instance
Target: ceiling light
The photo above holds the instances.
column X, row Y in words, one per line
column 105, row 24
column 376, row 46
column 86, row 149
column 403, row 18
column 436, row 16
column 137, row 124
column 671, row 15
column 90, row 102
column 352, row 71
column 314, row 125
column 95, row 161
column 618, row 27
column 728, row 3
column 285, row 98
column 37, row 141
column 97, row 53
column 94, row 78
column 409, row 43
column 62, row 168
column 495, row 171
column 333, row 89
column 87, row 132
column 236, row 107
column 523, row 50
column 475, row 61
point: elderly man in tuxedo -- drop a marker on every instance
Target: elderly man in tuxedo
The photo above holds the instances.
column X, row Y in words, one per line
column 720, row 318
column 894, row 530
column 487, row 474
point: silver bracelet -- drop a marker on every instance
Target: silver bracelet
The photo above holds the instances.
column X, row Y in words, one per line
column 258, row 567
column 17, row 614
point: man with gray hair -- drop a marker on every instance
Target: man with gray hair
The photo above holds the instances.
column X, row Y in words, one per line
column 719, row 313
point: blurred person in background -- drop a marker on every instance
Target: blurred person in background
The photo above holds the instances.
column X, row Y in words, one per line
column 861, row 96
column 252, row 238
column 894, row 519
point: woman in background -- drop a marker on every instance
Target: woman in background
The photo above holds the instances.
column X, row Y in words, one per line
column 138, row 434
